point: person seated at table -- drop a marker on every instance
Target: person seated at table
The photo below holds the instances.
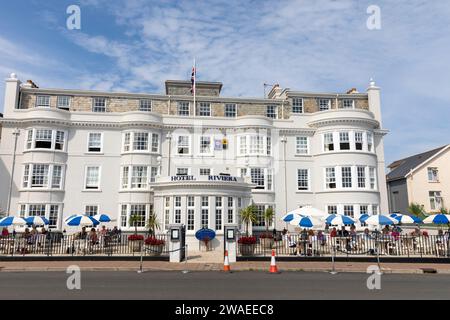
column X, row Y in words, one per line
column 103, row 231
column 343, row 232
column 333, row 233
column 43, row 231
column 416, row 232
column 395, row 233
column 366, row 234
column 34, row 231
column 5, row 232
column 82, row 235
column 385, row 231
column 321, row 237
column 92, row 237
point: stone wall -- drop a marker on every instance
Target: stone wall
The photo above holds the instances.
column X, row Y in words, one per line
column 125, row 104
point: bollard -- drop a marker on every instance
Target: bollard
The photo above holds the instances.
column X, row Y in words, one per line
column 333, row 270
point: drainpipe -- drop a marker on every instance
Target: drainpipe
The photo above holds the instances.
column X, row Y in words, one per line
column 16, row 134
column 284, row 141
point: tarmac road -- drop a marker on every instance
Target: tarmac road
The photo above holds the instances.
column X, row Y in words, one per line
column 175, row 285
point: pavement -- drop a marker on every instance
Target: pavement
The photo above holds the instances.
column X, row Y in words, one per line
column 204, row 286
column 262, row 266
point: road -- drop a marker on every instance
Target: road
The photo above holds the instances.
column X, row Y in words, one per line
column 218, row 285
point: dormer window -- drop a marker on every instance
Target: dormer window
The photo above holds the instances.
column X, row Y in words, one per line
column 43, row 102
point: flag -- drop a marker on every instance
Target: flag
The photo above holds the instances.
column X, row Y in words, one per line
column 193, row 79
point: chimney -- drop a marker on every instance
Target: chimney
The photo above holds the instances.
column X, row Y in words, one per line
column 29, row 85
column 275, row 92
column 352, row 91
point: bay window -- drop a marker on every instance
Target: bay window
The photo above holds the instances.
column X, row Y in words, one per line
column 330, row 178
column 43, row 176
column 344, row 141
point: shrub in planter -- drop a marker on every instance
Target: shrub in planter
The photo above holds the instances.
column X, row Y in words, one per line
column 155, row 246
column 247, row 245
column 135, row 242
column 266, row 240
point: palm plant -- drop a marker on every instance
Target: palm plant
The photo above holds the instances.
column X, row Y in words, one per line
column 248, row 214
column 417, row 210
column 152, row 224
column 134, row 220
column 269, row 214
column 444, row 211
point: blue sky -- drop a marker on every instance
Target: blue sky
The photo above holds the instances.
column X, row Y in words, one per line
column 321, row 45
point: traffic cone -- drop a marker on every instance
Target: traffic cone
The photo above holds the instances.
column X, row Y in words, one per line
column 226, row 264
column 273, row 264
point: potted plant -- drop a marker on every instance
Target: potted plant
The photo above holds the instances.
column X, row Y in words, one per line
column 266, row 239
column 152, row 224
column 154, row 245
column 248, row 215
column 135, row 241
column 247, row 245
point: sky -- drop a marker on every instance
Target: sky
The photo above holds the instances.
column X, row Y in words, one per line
column 305, row 45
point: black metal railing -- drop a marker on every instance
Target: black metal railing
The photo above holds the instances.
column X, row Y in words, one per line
column 359, row 245
column 76, row 245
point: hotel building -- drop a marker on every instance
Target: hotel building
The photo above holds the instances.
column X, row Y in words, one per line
column 67, row 152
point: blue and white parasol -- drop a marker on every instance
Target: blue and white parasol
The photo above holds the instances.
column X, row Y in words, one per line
column 102, row 218
column 404, row 218
column 82, row 220
column 305, row 222
column 290, row 216
column 37, row 221
column 12, row 221
column 340, row 220
column 380, row 220
column 437, row 219
column 363, row 218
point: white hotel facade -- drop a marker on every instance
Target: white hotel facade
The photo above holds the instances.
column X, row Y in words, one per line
column 67, row 152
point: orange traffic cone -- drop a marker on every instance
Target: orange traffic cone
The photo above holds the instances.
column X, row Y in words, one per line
column 226, row 264
column 273, row 264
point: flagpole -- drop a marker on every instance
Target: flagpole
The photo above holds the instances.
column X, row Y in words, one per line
column 195, row 87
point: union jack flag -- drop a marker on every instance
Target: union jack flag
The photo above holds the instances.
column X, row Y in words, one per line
column 193, row 79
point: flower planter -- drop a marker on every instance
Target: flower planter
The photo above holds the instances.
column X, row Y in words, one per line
column 135, row 245
column 247, row 249
column 266, row 243
column 154, row 250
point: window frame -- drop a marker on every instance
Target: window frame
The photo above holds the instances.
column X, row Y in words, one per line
column 89, row 142
column 39, row 103
column 233, row 113
column 99, row 108
column 296, row 107
column 303, row 188
column 301, row 146
column 272, row 111
column 65, row 107
column 85, row 183
column 321, row 106
column 202, row 111
column 147, row 106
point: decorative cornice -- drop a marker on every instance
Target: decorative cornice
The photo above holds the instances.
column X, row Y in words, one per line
column 338, row 121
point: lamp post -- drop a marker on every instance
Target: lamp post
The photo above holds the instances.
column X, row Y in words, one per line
column 169, row 137
column 159, row 161
column 16, row 133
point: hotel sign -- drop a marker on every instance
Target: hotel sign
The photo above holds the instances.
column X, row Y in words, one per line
column 210, row 178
